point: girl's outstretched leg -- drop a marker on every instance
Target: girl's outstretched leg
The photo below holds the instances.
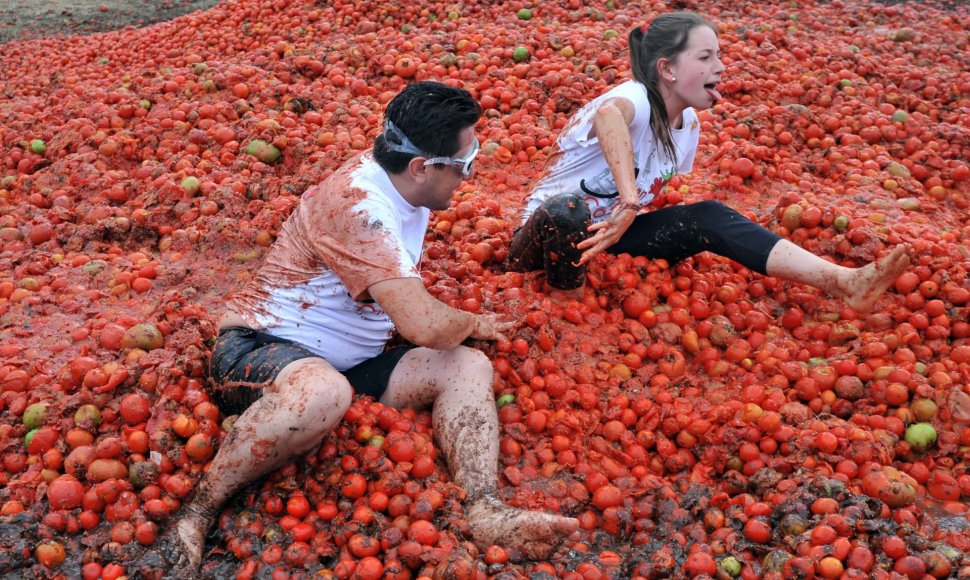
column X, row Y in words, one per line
column 680, row 231
column 857, row 287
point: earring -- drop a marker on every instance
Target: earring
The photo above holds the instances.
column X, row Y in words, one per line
column 673, row 79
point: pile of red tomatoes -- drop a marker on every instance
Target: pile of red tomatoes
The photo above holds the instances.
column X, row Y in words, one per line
column 700, row 420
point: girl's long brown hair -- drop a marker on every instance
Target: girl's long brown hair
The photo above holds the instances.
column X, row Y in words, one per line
column 666, row 37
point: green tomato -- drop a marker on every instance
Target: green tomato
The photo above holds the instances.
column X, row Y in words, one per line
column 920, row 436
column 87, row 417
column 506, row 399
column 841, row 222
column 448, row 59
column 29, row 437
column 731, row 565
column 265, row 152
column 524, row 14
column 38, row 146
column 34, row 415
column 520, row 54
column 94, row 267
column 191, row 186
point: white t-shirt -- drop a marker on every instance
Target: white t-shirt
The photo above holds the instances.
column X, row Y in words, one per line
column 351, row 231
column 579, row 167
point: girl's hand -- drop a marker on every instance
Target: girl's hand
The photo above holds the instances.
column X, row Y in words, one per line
column 606, row 233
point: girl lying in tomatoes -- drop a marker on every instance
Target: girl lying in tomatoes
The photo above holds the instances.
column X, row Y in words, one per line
column 618, row 153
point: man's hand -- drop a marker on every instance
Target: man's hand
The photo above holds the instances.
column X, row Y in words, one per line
column 490, row 327
column 606, row 233
column 426, row 321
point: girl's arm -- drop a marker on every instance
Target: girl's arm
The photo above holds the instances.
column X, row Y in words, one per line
column 611, row 125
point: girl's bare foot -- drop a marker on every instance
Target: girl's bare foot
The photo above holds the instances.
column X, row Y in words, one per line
column 526, row 534
column 863, row 286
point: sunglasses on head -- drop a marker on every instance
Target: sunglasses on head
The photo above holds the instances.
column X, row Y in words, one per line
column 397, row 141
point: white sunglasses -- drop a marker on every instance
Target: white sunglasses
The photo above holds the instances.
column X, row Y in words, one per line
column 397, row 141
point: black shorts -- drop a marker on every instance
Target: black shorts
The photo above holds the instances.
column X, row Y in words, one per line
column 244, row 361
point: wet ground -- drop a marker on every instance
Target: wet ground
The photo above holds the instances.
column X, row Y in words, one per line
column 25, row 19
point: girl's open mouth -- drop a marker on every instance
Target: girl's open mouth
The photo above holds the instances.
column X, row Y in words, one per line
column 711, row 89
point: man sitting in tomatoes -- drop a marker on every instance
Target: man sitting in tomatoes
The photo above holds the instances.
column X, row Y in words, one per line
column 309, row 331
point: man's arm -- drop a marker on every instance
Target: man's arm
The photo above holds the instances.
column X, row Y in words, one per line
column 426, row 321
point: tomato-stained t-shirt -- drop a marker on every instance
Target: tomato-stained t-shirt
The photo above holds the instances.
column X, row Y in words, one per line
column 349, row 232
column 577, row 165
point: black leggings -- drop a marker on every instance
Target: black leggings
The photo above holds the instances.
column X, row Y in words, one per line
column 549, row 237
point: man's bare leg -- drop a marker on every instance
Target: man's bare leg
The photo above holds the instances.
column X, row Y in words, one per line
column 857, row 287
column 307, row 399
column 459, row 382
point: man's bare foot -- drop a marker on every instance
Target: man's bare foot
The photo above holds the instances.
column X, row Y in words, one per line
column 189, row 535
column 527, row 534
column 178, row 553
column 863, row 286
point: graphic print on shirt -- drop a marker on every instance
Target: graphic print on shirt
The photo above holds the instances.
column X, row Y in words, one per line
column 659, row 184
column 603, row 185
column 603, row 194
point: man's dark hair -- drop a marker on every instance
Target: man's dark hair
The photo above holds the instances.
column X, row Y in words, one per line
column 431, row 115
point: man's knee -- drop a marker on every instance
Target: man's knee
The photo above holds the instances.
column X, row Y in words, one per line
column 472, row 360
column 315, row 390
column 333, row 396
column 468, row 363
